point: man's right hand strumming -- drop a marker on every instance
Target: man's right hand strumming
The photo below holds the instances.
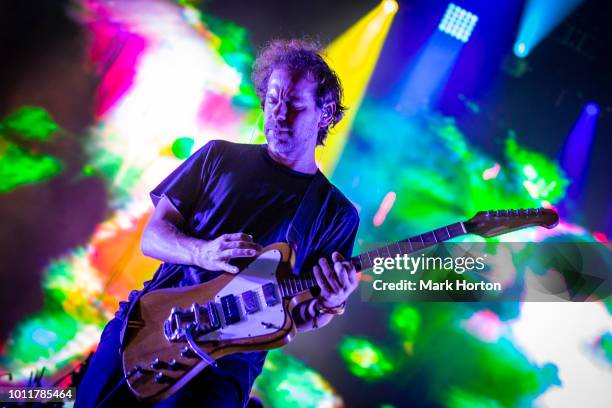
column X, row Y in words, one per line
column 164, row 239
column 215, row 255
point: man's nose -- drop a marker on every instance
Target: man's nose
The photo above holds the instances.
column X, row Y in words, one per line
column 280, row 110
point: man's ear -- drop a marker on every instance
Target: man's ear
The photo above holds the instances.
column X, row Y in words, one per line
column 327, row 114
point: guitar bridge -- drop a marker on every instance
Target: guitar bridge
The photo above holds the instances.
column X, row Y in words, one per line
column 202, row 318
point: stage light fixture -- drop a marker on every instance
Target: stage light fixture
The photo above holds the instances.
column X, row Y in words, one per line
column 458, row 22
column 592, row 109
column 390, row 6
column 520, row 50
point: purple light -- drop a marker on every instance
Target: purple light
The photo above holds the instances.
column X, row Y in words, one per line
column 592, row 109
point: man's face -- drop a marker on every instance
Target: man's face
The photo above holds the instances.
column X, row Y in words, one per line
column 291, row 117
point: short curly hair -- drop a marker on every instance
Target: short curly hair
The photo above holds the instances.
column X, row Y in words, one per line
column 301, row 56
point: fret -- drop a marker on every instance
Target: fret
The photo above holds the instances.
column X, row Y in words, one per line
column 399, row 248
column 294, row 288
column 313, row 280
column 308, row 282
column 428, row 238
column 299, row 285
column 417, row 243
column 359, row 262
column 370, row 263
column 379, row 253
column 281, row 284
column 456, row 229
column 403, row 247
column 441, row 234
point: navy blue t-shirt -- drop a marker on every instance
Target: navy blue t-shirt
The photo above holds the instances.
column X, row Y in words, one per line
column 226, row 188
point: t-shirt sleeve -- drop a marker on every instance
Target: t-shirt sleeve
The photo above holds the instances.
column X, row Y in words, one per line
column 341, row 236
column 184, row 185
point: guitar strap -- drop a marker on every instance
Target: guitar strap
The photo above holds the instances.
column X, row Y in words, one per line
column 305, row 217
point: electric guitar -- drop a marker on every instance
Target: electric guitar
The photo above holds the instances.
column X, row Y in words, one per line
column 172, row 334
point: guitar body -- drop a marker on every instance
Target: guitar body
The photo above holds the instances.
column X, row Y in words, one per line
column 236, row 312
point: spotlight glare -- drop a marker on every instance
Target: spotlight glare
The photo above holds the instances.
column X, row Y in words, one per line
column 458, row 23
column 592, row 109
column 520, row 50
column 390, row 6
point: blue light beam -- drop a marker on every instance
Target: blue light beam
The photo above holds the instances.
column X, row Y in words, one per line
column 539, row 18
column 575, row 156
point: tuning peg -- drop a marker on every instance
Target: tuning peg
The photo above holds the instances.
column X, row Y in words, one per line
column 160, row 377
column 135, row 370
column 156, row 363
column 173, row 364
column 187, row 352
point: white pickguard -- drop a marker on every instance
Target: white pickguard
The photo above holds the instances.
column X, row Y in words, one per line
column 261, row 271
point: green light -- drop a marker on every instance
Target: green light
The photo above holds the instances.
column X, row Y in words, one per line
column 286, row 382
column 120, row 178
column 19, row 167
column 364, row 359
column 31, row 122
column 542, row 178
column 606, row 345
column 29, row 347
column 458, row 398
column 406, row 321
column 181, row 148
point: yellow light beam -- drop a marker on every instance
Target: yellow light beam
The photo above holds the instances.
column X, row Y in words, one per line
column 353, row 56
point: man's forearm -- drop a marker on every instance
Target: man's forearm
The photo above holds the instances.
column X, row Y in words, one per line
column 164, row 241
column 304, row 316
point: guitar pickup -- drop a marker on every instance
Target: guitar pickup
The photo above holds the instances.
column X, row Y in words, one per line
column 231, row 313
column 269, row 294
column 249, row 299
column 213, row 316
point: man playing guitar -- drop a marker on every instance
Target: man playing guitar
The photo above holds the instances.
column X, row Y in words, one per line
column 228, row 201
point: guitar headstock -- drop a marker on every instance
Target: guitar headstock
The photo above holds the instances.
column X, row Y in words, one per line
column 491, row 223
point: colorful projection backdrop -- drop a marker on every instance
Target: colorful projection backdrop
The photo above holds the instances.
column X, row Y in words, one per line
column 173, row 82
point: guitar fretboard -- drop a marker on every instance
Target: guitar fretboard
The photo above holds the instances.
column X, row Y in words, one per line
column 294, row 285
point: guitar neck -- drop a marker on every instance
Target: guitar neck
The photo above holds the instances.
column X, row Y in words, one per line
column 409, row 245
column 294, row 285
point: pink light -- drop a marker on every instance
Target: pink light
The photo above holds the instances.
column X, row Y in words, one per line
column 116, row 51
column 601, row 237
column 491, row 172
column 384, row 209
column 484, row 325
